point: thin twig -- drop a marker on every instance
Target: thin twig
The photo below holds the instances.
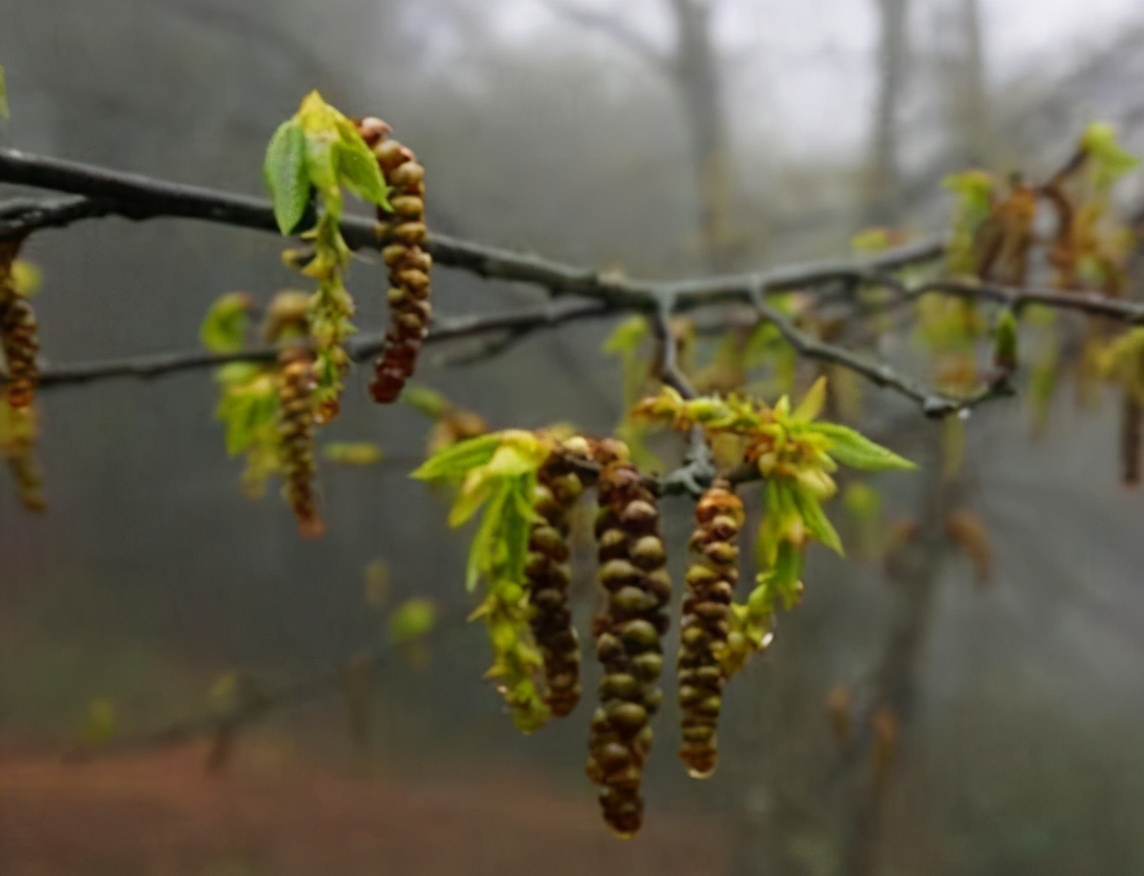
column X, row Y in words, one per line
column 933, row 404
column 360, row 348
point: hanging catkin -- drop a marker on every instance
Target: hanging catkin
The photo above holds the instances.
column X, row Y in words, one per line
column 402, row 233
column 703, row 633
column 629, row 642
column 296, row 438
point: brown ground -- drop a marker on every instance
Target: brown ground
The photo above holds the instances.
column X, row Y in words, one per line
column 161, row 814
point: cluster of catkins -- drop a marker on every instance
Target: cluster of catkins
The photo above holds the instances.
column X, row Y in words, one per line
column 558, row 486
column 629, row 640
column 703, row 632
column 19, row 337
column 633, row 617
column 296, row 410
column 402, row 232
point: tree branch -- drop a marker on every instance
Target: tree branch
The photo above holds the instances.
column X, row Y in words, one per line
column 98, row 192
column 933, row 404
column 614, row 28
column 516, row 323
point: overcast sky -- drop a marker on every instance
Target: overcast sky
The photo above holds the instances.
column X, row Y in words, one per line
column 808, row 64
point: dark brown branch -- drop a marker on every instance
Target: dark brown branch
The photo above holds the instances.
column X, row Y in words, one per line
column 107, row 192
column 103, row 192
column 516, row 323
column 1091, row 303
column 933, row 404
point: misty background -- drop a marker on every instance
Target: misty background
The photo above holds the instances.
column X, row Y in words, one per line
column 662, row 138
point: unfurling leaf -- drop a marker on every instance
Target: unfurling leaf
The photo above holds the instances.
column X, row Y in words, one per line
column 411, row 620
column 352, row 452
column 286, row 175
column 224, row 328
column 812, row 403
column 357, row 168
column 818, row 526
column 855, row 450
column 454, row 462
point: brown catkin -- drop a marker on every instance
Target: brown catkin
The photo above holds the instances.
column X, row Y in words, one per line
column 629, row 643
column 703, row 632
column 296, row 438
column 402, row 231
column 549, row 575
column 20, row 341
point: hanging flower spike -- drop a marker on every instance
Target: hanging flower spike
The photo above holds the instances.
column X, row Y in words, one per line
column 705, row 626
column 402, row 232
column 296, row 439
column 628, row 641
column 19, row 335
column 558, row 487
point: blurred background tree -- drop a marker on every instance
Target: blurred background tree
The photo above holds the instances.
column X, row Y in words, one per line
column 663, row 138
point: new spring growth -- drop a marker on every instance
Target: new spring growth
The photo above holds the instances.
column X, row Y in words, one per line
column 311, row 158
column 795, row 454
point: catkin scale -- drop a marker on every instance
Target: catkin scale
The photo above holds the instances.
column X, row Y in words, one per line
column 296, row 439
column 20, row 341
column 549, row 576
column 403, row 231
column 710, row 582
column 629, row 645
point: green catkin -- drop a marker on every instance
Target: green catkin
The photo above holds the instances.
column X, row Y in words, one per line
column 710, row 584
column 549, row 576
column 629, row 643
column 402, row 234
column 296, row 438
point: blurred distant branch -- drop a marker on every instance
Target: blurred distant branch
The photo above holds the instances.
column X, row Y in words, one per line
column 258, row 702
column 515, row 323
column 613, row 27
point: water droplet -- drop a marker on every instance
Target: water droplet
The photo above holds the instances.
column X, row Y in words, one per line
column 963, row 414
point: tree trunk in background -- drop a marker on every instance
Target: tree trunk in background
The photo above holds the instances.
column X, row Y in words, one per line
column 694, row 70
column 914, row 570
column 965, row 86
column 885, row 183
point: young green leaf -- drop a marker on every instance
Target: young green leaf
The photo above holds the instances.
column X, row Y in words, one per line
column 855, row 450
column 455, row 461
column 357, row 168
column 816, row 521
column 225, row 324
column 286, row 174
column 3, row 95
column 812, row 403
